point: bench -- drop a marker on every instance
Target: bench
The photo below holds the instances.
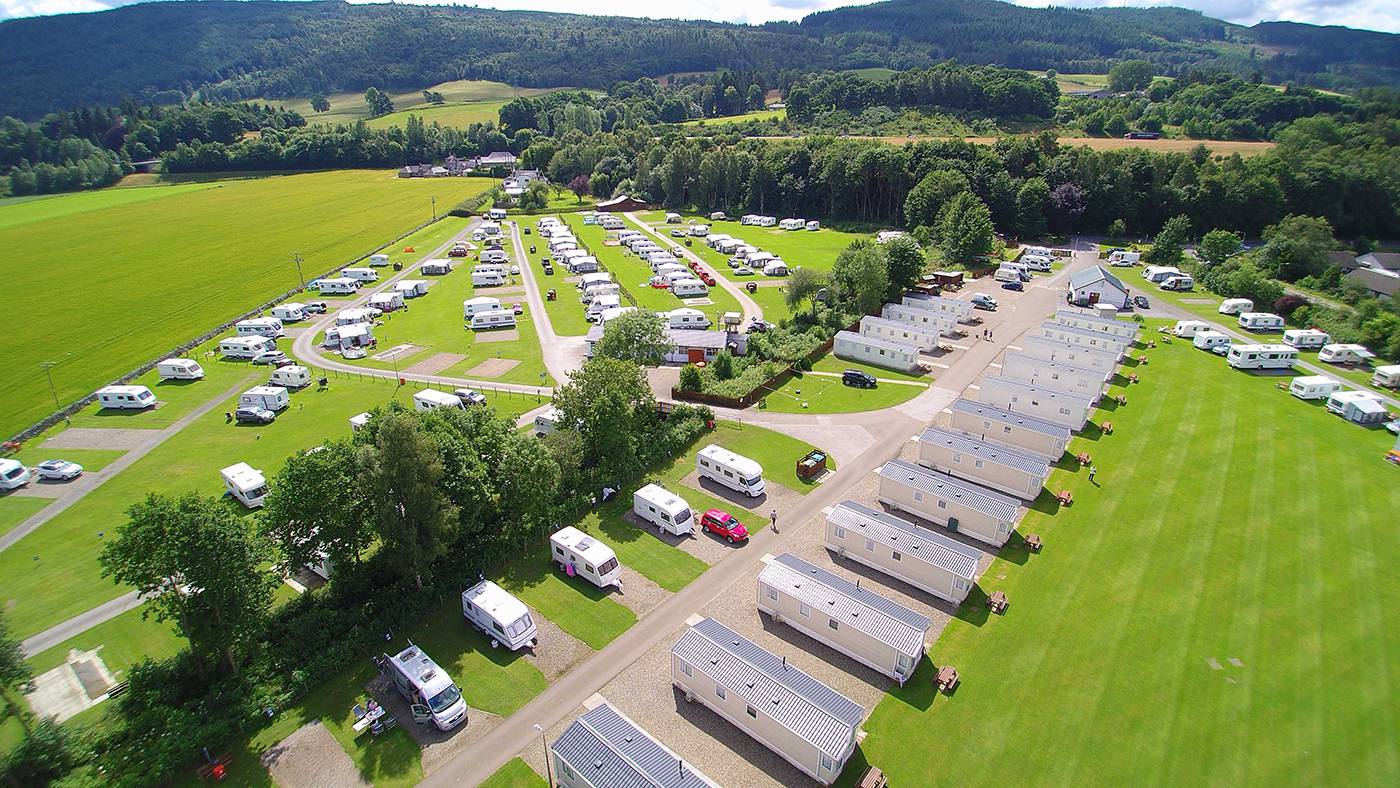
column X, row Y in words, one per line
column 997, row 602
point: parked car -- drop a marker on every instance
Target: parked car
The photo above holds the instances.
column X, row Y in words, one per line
column 1017, row 286
column 515, row 270
column 734, row 262
column 58, row 470
column 470, row 396
column 517, row 309
column 758, row 326
column 984, row 301
column 254, row 416
column 274, row 357
column 1393, row 426
column 724, row 524
column 1221, row 350
column 548, row 269
column 678, row 233
column 854, row 377
column 315, row 307
column 457, row 251
column 743, row 270
column 1141, row 302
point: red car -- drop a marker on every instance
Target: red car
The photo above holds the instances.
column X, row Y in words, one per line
column 457, row 251
column 724, row 524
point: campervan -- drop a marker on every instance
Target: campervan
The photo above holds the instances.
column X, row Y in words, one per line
column 179, row 369
column 487, row 278
column 1262, row 356
column 431, row 399
column 1181, row 282
column 580, row 555
column 245, row 347
column 361, row 274
column 1305, row 338
column 340, row 285
column 546, row 423
column 273, row 398
column 1036, row 263
column 499, row 615
column 686, row 288
column 289, row 312
column 292, row 377
column 1008, row 274
column 1344, row 354
column 1209, row 340
column 428, row 688
column 663, row 509
column 1260, row 321
column 259, row 327
column 608, row 288
column 378, row 260
column 1313, row 387
column 602, row 302
column 245, row 483
column 125, row 397
column 1235, row 306
column 1187, row 329
column 731, row 470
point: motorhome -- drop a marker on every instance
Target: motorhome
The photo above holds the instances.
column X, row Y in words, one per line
column 1345, row 354
column 1235, row 306
column 1180, row 283
column 428, row 688
column 546, row 423
column 339, row 285
column 607, row 289
column 1209, row 340
column 597, row 305
column 499, row 615
column 179, row 369
column 386, row 301
column 580, row 555
column 378, row 260
column 1007, row 274
column 290, row 312
column 361, row 274
column 1305, row 338
column 292, row 377
column 492, row 318
column 471, row 306
column 431, row 399
column 245, row 347
column 1186, row 329
column 125, row 397
column 273, row 398
column 1313, row 387
column 735, row 471
column 685, row 318
column 689, row 288
column 614, row 312
column 1260, row 321
column 245, row 484
column 259, row 327
column 1160, row 273
column 665, row 510
column 1262, row 356
column 488, row 278
column 1036, row 262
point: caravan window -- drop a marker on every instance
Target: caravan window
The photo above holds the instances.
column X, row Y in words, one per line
column 804, row 610
column 682, row 515
column 840, row 532
column 728, row 474
column 685, row 668
column 870, row 545
column 833, row 623
column 719, row 690
column 1007, row 430
column 497, row 627
column 895, row 555
column 607, row 566
column 957, row 457
column 772, row 593
column 826, row 763
column 753, row 481
column 918, row 495
column 942, row 504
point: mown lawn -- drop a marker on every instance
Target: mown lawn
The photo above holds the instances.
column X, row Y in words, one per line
column 91, row 459
column 817, row 250
column 515, row 774
column 124, row 641
column 580, row 608
column 349, row 107
column 827, row 394
column 1217, row 609
column 15, row 509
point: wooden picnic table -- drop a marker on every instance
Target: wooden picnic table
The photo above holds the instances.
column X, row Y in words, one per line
column 997, row 602
column 947, row 678
column 1107, row 428
column 1033, row 543
column 1083, row 458
column 1065, row 497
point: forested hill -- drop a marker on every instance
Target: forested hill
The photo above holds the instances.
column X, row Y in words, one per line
column 167, row 51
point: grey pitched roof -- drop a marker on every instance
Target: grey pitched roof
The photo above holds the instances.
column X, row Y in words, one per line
column 999, row 416
column 1089, row 276
column 1087, row 332
column 865, row 611
column 1375, row 281
column 1090, row 317
column 897, row 325
column 1060, row 344
column 608, row 749
column 810, row 709
column 1084, row 400
column 1001, row 455
column 1390, row 261
column 931, row 547
column 973, row 496
column 888, row 344
column 1065, row 365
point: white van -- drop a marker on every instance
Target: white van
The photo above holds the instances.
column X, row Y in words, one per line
column 259, row 327
column 431, row 399
column 1181, row 283
column 579, row 554
column 1260, row 321
column 272, row 398
column 378, row 260
column 290, row 312
column 1236, row 306
column 1262, row 356
column 292, row 377
column 503, row 618
column 1313, row 387
column 125, row 397
column 245, row 347
column 546, row 423
column 1210, row 339
column 427, row 688
column 1187, row 329
column 179, row 369
column 664, row 509
column 361, row 274
column 245, row 483
column 687, row 288
column 13, row 474
column 735, row 471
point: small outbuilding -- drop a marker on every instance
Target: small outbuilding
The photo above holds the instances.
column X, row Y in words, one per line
column 1001, row 468
column 620, row 204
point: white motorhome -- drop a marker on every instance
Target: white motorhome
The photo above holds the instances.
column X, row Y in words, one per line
column 735, row 471
column 1262, row 356
column 580, row 555
column 431, row 399
column 1160, row 273
column 492, row 318
column 339, row 285
column 427, row 687
column 361, row 274
column 1007, row 273
column 472, row 306
column 1305, row 338
column 503, row 618
column 179, row 369
column 245, row 347
column 290, row 312
column 1181, row 282
column 664, row 509
column 293, row 376
column 1209, row 340
column 1260, row 321
column 273, row 398
column 1344, row 354
column 1313, row 387
column 125, row 397
column 259, row 327
column 1187, row 329
column 596, row 306
column 1236, row 306
column 687, row 288
column 245, row 483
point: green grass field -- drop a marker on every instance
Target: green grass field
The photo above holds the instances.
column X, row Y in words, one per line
column 15, row 509
column 730, row 120
column 817, row 250
column 515, row 774
column 131, row 273
column 826, row 394
column 1218, row 609
column 458, row 116
column 578, row 607
column 122, row 642
column 350, row 107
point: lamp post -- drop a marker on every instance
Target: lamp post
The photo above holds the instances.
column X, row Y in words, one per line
column 434, row 199
column 548, row 769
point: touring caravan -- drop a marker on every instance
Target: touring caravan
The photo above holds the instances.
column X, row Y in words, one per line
column 813, row 225
column 125, row 397
column 598, row 278
column 580, row 555
column 472, row 306
column 426, row 687
column 724, row 467
column 546, row 423
column 378, row 260
column 1262, row 356
column 273, row 398
column 179, row 369
column 775, row 267
column 430, row 399
column 1387, row 376
column 1007, row 273
column 493, row 256
column 1260, row 321
column 1344, row 354
column 412, row 288
column 349, row 317
column 686, row 288
column 1160, row 273
column 791, row 224
column 1236, row 306
column 487, row 278
column 1313, row 387
column 441, row 267
column 685, row 318
column 245, row 347
column 386, row 301
column 597, row 291
column 492, row 318
column 13, row 474
column 1209, row 340
column 293, row 377
column 1187, row 329
column 259, row 327
column 596, row 306
column 665, row 510
column 245, row 483
column 290, row 312
column 498, row 614
column 1121, row 258
column 361, row 274
column 1305, row 338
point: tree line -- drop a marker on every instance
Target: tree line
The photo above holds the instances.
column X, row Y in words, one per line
column 999, row 92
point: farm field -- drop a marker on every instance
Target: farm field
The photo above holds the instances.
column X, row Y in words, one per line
column 175, row 265
column 350, row 107
column 1077, row 83
column 1199, row 616
column 817, row 250
column 458, row 116
column 729, row 120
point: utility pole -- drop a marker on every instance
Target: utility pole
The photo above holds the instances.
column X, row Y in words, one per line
column 48, row 370
column 297, row 259
column 434, row 199
column 548, row 767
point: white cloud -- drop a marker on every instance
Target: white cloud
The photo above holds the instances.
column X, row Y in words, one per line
column 13, row 8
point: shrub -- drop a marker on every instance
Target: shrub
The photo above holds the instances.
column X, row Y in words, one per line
column 690, row 378
column 1289, row 304
column 724, row 365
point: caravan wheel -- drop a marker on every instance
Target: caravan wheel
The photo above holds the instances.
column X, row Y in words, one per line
column 495, row 643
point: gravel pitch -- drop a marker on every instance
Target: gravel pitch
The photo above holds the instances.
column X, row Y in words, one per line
column 555, row 650
column 311, row 758
column 639, row 593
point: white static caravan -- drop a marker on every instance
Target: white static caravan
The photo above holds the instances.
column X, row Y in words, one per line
column 1313, row 387
column 472, row 306
column 245, row 347
column 349, row 317
column 1083, row 337
column 876, row 351
column 1361, row 407
column 1000, row 468
column 1061, row 407
column 725, row 468
column 245, row 483
column 928, row 319
column 1235, row 306
column 1305, row 338
column 792, row 224
column 952, row 307
column 1105, row 361
column 924, row 339
column 361, row 274
column 272, row 398
column 1017, row 430
column 600, row 304
column 125, row 397
column 579, row 554
column 877, row 632
column 1344, row 354
column 339, row 285
column 685, row 318
column 492, row 318
column 1387, row 376
column 487, row 278
column 1262, row 356
column 810, row 725
column 603, row 748
column 664, row 509
column 387, row 301
column 1187, row 329
column 412, row 288
column 290, row 312
column 983, row 514
column 688, row 288
column 1208, row 340
column 1054, row 374
column 424, row 684
column 1260, row 321
column 179, row 369
column 430, row 399
column 259, row 327
column 290, row 377
column 927, row 560
column 439, row 267
column 499, row 615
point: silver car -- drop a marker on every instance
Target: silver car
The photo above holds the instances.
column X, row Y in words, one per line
column 58, row 470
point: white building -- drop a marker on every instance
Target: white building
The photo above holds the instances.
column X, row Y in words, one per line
column 876, row 351
column 604, row 748
column 997, row 467
column 1054, row 374
column 1073, row 317
column 927, row 560
column 1083, row 337
column 958, row 310
column 927, row 319
column 983, row 514
column 1017, row 430
column 1105, row 361
column 1061, row 407
column 925, row 339
column 1096, row 285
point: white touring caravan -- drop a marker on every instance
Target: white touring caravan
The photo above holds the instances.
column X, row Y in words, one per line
column 1262, row 356
column 361, row 274
column 1187, row 329
column 1260, row 321
column 259, row 327
column 487, row 278
column 245, row 347
column 1160, row 273
column 1313, row 387
column 179, row 369
column 722, row 466
column 378, row 260
column 580, row 555
column 125, row 397
column 431, row 399
column 492, row 318
column 503, row 618
column 1209, row 340
column 13, row 474
column 1344, row 354
column 1305, row 338
column 472, row 306
column 272, row 398
column 546, row 423
column 292, row 377
column 290, row 312
column 427, row 687
column 688, row 288
column 664, row 509
column 1236, row 306
column 246, row 484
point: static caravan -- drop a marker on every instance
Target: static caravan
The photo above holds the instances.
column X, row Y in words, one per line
column 958, row 310
column 580, row 555
column 440, row 267
column 492, row 318
column 431, row 399
column 1160, row 273
column 983, row 514
column 1313, row 387
column 471, row 306
column 1208, row 340
column 378, row 260
column 349, row 317
column 1305, row 338
column 876, row 351
column 259, row 327
column 932, row 321
column 1106, row 310
column 339, row 285
column 245, row 483
column 499, row 615
column 1105, row 361
column 1061, row 407
column 603, row 748
column 361, row 274
column 1235, row 306
column 488, row 278
column 1262, row 356
column 1260, row 321
column 1345, row 354
column 810, row 725
column 735, row 471
column 245, row 347
column 1083, row 337
column 179, row 369
column 877, row 632
column 688, row 288
column 685, row 318
column 1387, row 376
column 792, row 224
column 125, row 397
column 290, row 312
column 927, row 560
column 1187, row 329
column 925, row 339
column 1001, row 468
column 665, row 510
column 290, row 377
column 412, row 288
column 1017, row 430
column 427, row 686
column 1054, row 374
column 1095, row 322
column 387, row 301
column 272, row 398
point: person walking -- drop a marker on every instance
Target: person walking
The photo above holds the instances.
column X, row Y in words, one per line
column 773, row 519
column 1093, row 471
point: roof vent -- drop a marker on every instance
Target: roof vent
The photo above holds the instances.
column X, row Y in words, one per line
column 750, row 684
column 736, row 642
column 598, row 764
column 628, row 737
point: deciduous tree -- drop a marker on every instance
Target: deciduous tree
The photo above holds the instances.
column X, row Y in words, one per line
column 638, row 337
column 317, row 508
column 401, row 474
column 964, row 229
column 1166, row 247
column 1217, row 246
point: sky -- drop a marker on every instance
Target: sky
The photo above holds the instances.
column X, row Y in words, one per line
column 1369, row 14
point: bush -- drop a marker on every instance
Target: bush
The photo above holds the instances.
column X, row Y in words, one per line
column 724, row 365
column 1289, row 304
column 690, row 378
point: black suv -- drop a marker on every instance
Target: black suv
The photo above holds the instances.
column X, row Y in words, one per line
column 854, row 377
